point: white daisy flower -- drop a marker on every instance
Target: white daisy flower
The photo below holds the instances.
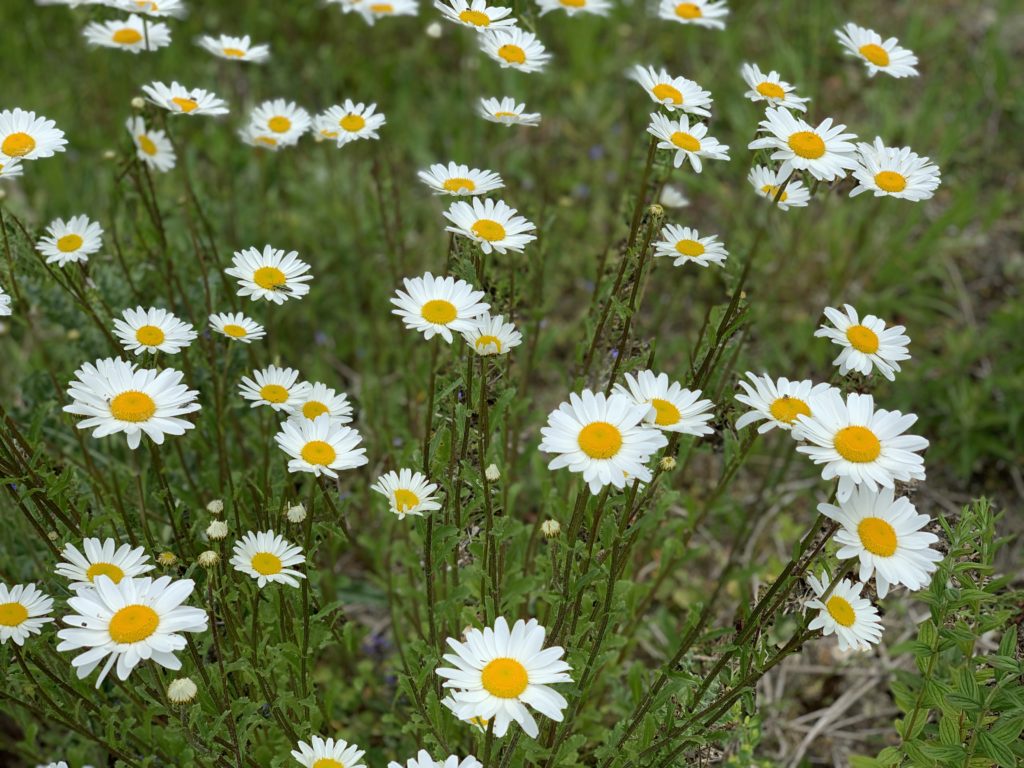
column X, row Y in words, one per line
column 490, row 223
column 690, row 142
column 320, row 446
column 572, row 7
column 878, row 55
column 272, row 275
column 27, row 137
column 235, row 48
column 515, row 48
column 152, row 330
column 10, row 167
column 851, row 618
column 685, row 245
column 101, row 558
column 151, row 146
column 507, row 112
column 157, row 8
column 672, row 92
column 237, row 327
column 371, row 10
column 456, row 179
column 670, row 407
column 128, row 622
column 492, row 335
column 476, row 15
column 424, row 760
column 178, row 99
column 277, row 387
column 438, row 305
column 702, row 13
column 858, row 444
column 69, row 241
column 257, row 137
column 349, row 122
column 767, row 182
column 23, row 611
column 885, row 534
column 317, row 399
column 825, row 152
column 5, row 303
column 673, row 197
column 867, row 344
column 131, row 34
column 498, row 673
column 604, row 438
column 285, row 121
column 320, row 753
column 894, row 172
column 407, row 492
column 771, row 89
column 268, row 557
column 116, row 397
column 776, row 402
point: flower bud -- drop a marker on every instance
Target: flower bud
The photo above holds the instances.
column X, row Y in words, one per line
column 668, row 464
column 167, row 559
column 181, row 690
column 216, row 530
column 296, row 514
column 550, row 528
column 209, row 558
column 215, row 507
column 492, row 473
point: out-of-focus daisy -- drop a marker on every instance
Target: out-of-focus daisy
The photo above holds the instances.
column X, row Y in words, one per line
column 320, row 446
column 317, row 399
column 894, row 172
column 507, row 112
column 476, row 15
column 178, row 99
column 438, row 305
column 23, row 611
column 268, row 557
column 703, row 13
column 116, row 397
column 670, row 407
column 572, row 7
column 867, row 344
column 771, row 88
column 424, row 760
column 672, row 92
column 10, row 167
column 456, row 179
column 25, row 136
column 5, row 303
column 237, row 326
column 260, row 138
column 371, row 10
column 515, row 48
column 349, row 122
column 151, row 146
column 235, row 48
column 492, row 335
column 69, row 241
column 277, row 387
column 685, row 245
column 272, row 275
column 776, row 402
column 497, row 673
column 490, row 223
column 823, row 151
column 407, row 492
column 851, row 618
column 607, row 439
column 878, row 55
column 858, row 444
column 673, row 197
column 131, row 34
column 690, row 142
column 284, row 120
column 101, row 558
column 767, row 182
column 128, row 622
column 152, row 330
column 321, row 753
column 151, row 7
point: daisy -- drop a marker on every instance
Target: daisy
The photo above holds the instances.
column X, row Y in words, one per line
column 27, row 137
column 604, row 438
column 128, row 622
column 151, row 146
column 152, row 330
column 69, row 241
column 115, row 397
column 885, row 534
column 283, row 120
column 5, row 303
column 180, row 100
column 438, row 305
column 101, row 558
column 703, row 13
column 672, row 92
column 268, row 557
column 320, row 753
column 23, row 611
column 894, row 172
column 424, row 760
column 151, row 7
column 317, row 399
column 10, row 167
column 492, row 335
column 275, row 387
column 858, row 444
column 572, row 7
column 131, row 34
column 490, row 223
column 257, row 137
column 515, row 48
column 689, row 142
column 371, row 10
column 851, row 618
column 407, row 492
column 477, row 15
column 273, row 275
column 320, row 446
column 507, row 112
column 825, row 152
column 776, row 402
column 500, row 672
column 455, row 179
column 349, row 122
column 771, row 88
column 670, row 407
column 767, row 182
column 673, row 197
column 235, row 48
column 867, row 344
column 878, row 55
column 479, row 723
column 237, row 326
column 686, row 245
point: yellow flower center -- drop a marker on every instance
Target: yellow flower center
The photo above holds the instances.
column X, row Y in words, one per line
column 504, row 678
column 876, row 54
column 18, row 144
column 513, row 54
column 857, row 444
column 382, row 8
column 786, row 409
column 235, row 53
column 150, row 336
column 328, row 762
column 273, row 393
column 486, row 341
column 314, row 408
column 688, row 11
column 862, row 338
column 489, row 230
column 505, row 114
column 352, row 123
column 807, row 144
column 109, row 570
column 439, row 312
column 269, row 278
column 185, row 105
column 771, row 190
column 146, row 144
column 600, row 440
column 405, row 499
column 12, row 614
column 666, row 414
column 878, row 536
column 890, row 181
column 458, row 184
column 266, row 563
column 771, row 90
column 664, row 91
column 270, row 141
column 279, row 124
column 69, row 243
column 127, row 36
column 235, row 331
column 318, row 453
column 691, row 248
column 476, row 18
column 573, row 3
column 133, row 623
column 839, row 608
column 685, row 141
column 132, row 406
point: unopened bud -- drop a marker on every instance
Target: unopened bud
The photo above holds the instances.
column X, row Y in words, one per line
column 668, row 464
column 550, row 528
column 296, row 514
column 217, row 530
column 215, row 507
column 492, row 473
column 181, row 690
column 109, row 154
column 434, row 29
column 138, row 103
column 209, row 558
column 167, row 559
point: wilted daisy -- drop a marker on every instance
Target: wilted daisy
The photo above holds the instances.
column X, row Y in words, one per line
column 492, row 335
column 685, row 245
column 268, row 557
column 858, row 444
column 10, row 167
column 116, row 397
column 894, row 172
column 476, row 15
column 767, row 182
column 823, row 151
column 690, row 142
column 703, row 13
column 851, row 618
column 178, row 99
column 151, row 146
column 776, row 402
column 515, row 48
column 672, row 92
column 128, row 622
column 507, row 112
column 424, row 760
column 407, row 492
column 23, row 611
column 271, row 274
column 490, row 223
column 152, row 7
column 25, row 136
column 572, row 7
column 867, row 344
column 152, row 330
column 607, row 439
column 878, row 55
column 5, row 303
column 101, row 558
column 284, row 120
column 670, row 407
column 349, row 122
column 456, row 179
column 131, row 34
column 321, row 753
column 237, row 326
column 438, row 305
column 371, row 10
column 235, row 48
column 771, row 88
column 320, row 446
column 317, row 399
column 69, row 241
column 273, row 386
